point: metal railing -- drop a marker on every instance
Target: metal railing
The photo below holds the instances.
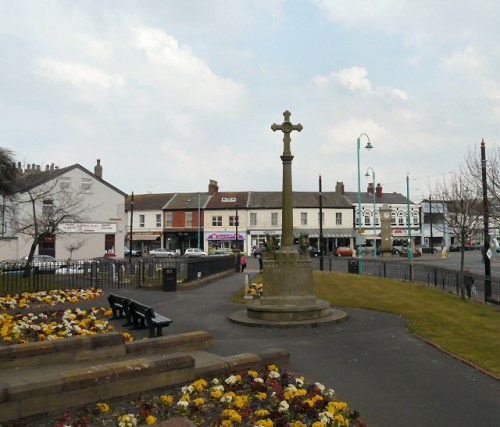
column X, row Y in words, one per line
column 108, row 273
column 438, row 277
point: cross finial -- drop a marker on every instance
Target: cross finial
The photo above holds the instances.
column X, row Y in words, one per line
column 286, row 127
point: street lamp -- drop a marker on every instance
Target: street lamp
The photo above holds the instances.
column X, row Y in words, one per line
column 408, row 216
column 368, row 146
column 131, row 240
column 236, row 225
column 374, row 202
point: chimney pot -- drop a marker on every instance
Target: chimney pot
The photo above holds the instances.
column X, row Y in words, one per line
column 379, row 190
column 98, row 169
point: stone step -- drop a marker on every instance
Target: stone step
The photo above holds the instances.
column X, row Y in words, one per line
column 78, row 378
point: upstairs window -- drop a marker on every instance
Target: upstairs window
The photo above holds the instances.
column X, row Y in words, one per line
column 142, row 220
column 338, row 218
column 253, row 219
column 47, row 208
column 189, row 219
column 158, row 220
column 393, row 218
column 233, row 221
column 86, row 184
column 169, row 219
column 321, row 218
column 64, row 182
column 217, row 221
column 368, row 218
column 303, row 218
column 274, row 218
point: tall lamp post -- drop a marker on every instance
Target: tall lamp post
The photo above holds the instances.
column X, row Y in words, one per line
column 374, row 207
column 408, row 216
column 199, row 219
column 236, row 225
column 368, row 146
column 131, row 240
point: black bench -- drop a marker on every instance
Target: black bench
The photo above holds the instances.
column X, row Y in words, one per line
column 120, row 308
column 144, row 316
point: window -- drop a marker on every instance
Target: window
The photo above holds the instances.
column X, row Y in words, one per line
column 64, row 182
column 86, row 184
column 303, row 218
column 415, row 218
column 47, row 208
column 189, row 219
column 233, row 221
column 274, row 218
column 338, row 218
column 393, row 218
column 217, row 221
column 109, row 243
column 158, row 220
column 142, row 220
column 253, row 219
column 401, row 218
column 377, row 218
column 168, row 219
column 321, row 219
column 368, row 217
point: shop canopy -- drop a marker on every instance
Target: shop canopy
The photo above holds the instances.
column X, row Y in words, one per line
column 327, row 232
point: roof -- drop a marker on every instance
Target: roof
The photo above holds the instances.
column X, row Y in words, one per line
column 387, row 198
column 306, row 199
column 27, row 181
column 144, row 202
column 187, row 201
column 228, row 200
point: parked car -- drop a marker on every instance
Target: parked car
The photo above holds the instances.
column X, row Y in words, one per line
column 397, row 249
column 162, row 253
column 194, row 252
column 314, row 252
column 428, row 250
column 344, row 251
column 45, row 263
column 134, row 252
column 416, row 252
column 454, row 248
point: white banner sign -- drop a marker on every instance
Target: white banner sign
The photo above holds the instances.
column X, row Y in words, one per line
column 88, row 228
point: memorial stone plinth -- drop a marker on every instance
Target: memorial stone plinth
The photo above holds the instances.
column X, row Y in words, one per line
column 288, row 298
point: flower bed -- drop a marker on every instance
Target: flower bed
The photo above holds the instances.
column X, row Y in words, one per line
column 267, row 399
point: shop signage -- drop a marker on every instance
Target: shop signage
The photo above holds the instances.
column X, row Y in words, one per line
column 224, row 236
column 264, row 232
column 87, row 228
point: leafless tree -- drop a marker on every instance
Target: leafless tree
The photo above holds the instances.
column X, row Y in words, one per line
column 7, row 171
column 39, row 209
column 464, row 214
column 74, row 246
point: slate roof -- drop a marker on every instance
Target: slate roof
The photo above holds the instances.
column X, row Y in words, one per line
column 144, row 202
column 217, row 202
column 30, row 180
column 187, row 201
column 301, row 199
column 387, row 198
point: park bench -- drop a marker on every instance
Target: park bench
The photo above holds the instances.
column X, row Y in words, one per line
column 120, row 307
column 144, row 316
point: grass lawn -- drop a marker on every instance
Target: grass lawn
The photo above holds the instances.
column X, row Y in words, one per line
column 467, row 329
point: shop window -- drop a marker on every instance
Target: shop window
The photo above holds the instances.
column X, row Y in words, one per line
column 253, row 219
column 217, row 221
column 109, row 243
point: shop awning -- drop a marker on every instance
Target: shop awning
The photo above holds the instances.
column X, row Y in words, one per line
column 327, row 232
column 145, row 237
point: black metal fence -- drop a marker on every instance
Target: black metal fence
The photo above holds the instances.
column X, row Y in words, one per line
column 438, row 277
column 108, row 273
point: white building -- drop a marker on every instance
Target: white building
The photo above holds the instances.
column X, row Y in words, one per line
column 88, row 213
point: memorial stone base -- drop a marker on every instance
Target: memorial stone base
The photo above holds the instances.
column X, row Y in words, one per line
column 288, row 299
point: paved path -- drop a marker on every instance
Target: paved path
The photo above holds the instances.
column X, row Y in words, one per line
column 370, row 360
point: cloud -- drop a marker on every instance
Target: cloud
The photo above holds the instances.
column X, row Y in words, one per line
column 353, row 78
column 78, row 74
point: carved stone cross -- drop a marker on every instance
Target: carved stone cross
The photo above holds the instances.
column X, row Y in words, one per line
column 286, row 127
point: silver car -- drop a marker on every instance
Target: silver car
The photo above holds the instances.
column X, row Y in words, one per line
column 195, row 252
column 162, row 252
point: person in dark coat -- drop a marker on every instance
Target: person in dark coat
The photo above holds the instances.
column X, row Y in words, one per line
column 468, row 282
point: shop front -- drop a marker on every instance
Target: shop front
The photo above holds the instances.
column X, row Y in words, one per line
column 217, row 240
column 257, row 238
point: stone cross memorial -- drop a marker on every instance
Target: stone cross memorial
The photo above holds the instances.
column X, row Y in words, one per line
column 288, row 298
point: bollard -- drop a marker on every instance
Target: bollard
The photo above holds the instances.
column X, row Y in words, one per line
column 247, row 287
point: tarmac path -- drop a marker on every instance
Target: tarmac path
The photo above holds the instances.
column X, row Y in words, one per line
column 371, row 360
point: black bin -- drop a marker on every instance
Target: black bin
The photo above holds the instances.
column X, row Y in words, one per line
column 353, row 266
column 169, row 277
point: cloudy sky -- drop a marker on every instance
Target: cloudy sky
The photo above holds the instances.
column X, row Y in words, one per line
column 169, row 94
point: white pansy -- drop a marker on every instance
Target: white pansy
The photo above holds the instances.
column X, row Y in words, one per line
column 320, row 386
column 274, row 374
column 283, row 406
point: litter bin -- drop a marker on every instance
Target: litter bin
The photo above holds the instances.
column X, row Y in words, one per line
column 353, row 266
column 169, row 276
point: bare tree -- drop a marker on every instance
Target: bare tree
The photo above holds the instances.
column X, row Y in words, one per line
column 7, row 171
column 74, row 246
column 40, row 208
column 464, row 216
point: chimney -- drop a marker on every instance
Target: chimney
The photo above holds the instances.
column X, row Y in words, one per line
column 52, row 167
column 370, row 188
column 98, row 169
column 378, row 190
column 339, row 187
column 46, row 168
column 212, row 187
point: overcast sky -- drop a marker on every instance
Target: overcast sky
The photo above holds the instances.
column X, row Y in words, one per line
column 172, row 93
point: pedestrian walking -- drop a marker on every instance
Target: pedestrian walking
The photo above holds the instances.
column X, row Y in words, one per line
column 468, row 282
column 261, row 262
column 243, row 263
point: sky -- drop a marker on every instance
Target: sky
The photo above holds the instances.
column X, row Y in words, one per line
column 169, row 94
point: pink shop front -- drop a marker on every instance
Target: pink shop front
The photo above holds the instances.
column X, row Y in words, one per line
column 224, row 240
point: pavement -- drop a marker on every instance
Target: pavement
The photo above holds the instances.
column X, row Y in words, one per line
column 371, row 360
